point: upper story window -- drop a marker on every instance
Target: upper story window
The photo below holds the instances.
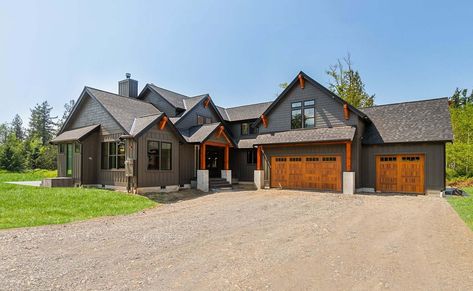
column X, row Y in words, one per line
column 113, row 155
column 247, row 129
column 203, row 120
column 303, row 114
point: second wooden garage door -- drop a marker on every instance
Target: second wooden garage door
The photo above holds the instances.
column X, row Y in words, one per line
column 307, row 172
column 400, row 173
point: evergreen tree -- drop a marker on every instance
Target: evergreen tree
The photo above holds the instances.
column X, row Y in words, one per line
column 347, row 83
column 4, row 131
column 17, row 127
column 41, row 123
column 67, row 111
column 460, row 98
column 12, row 156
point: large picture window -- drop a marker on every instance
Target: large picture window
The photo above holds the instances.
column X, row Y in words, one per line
column 159, row 155
column 303, row 114
column 113, row 155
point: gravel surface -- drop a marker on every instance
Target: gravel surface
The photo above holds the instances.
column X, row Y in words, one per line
column 272, row 239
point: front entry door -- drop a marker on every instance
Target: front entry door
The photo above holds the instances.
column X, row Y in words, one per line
column 214, row 161
column 69, row 159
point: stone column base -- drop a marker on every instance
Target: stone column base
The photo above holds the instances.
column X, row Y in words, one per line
column 348, row 182
column 227, row 175
column 203, row 180
column 259, row 179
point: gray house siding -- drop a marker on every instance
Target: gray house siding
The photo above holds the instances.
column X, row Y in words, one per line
column 61, row 164
column 240, row 168
column 328, row 112
column 186, row 163
column 190, row 118
column 155, row 178
column 160, row 103
column 434, row 162
column 91, row 112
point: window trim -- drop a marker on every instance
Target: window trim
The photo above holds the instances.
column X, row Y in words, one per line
column 161, row 156
column 300, row 105
column 108, row 156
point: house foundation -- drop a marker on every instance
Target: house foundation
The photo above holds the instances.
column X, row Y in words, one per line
column 259, row 179
column 203, row 180
column 349, row 183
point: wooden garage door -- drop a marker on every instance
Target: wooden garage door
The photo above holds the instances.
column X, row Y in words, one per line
column 307, row 172
column 400, row 173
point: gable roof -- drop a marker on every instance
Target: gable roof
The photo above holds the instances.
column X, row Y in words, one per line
column 315, row 84
column 77, row 134
column 340, row 133
column 124, row 110
column 416, row 121
column 244, row 112
column 142, row 123
column 200, row 133
column 174, row 98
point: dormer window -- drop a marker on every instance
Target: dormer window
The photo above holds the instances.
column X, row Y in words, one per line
column 203, row 120
column 303, row 114
column 247, row 129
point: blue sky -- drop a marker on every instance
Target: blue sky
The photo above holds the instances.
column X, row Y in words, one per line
column 237, row 51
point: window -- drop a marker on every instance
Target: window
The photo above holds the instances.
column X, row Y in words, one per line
column 203, row 120
column 251, row 156
column 153, row 155
column 77, row 148
column 247, row 129
column 62, row 148
column 113, row 155
column 159, row 155
column 200, row 120
column 166, row 156
column 303, row 114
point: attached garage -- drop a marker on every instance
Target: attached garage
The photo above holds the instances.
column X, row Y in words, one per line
column 307, row 172
column 400, row 173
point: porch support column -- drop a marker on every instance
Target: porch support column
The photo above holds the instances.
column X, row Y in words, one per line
column 348, row 176
column 259, row 173
column 203, row 174
column 226, row 172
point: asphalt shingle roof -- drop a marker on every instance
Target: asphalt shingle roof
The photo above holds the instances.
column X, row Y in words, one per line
column 123, row 109
column 199, row 133
column 341, row 133
column 417, row 121
column 245, row 112
column 176, row 99
column 141, row 123
column 75, row 134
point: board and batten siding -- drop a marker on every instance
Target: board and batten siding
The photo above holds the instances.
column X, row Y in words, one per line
column 91, row 112
column 328, row 112
column 186, row 163
column 434, row 162
column 61, row 163
column 156, row 178
column 190, row 119
column 241, row 169
column 158, row 101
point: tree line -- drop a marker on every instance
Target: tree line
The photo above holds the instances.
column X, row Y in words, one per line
column 24, row 148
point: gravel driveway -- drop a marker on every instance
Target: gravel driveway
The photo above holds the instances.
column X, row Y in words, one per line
column 270, row 239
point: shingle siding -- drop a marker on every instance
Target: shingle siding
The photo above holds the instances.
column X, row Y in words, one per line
column 190, row 119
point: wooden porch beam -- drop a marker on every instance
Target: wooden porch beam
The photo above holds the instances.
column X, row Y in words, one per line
column 202, row 156
column 348, row 156
column 227, row 158
column 258, row 158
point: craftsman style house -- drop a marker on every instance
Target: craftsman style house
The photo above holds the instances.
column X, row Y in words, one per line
column 307, row 138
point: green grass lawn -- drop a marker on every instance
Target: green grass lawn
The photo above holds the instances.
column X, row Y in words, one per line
column 464, row 206
column 22, row 206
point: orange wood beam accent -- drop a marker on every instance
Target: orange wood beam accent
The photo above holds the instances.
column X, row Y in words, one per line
column 301, row 81
column 346, row 112
column 227, row 158
column 220, row 130
column 163, row 122
column 264, row 119
column 206, row 102
column 202, row 156
column 216, row 144
column 258, row 158
column 348, row 156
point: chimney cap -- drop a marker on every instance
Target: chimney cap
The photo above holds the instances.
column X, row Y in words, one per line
column 128, row 75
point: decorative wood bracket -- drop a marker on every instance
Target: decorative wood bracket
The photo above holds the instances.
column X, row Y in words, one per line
column 220, row 130
column 206, row 102
column 346, row 112
column 163, row 122
column 301, row 81
column 264, row 119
